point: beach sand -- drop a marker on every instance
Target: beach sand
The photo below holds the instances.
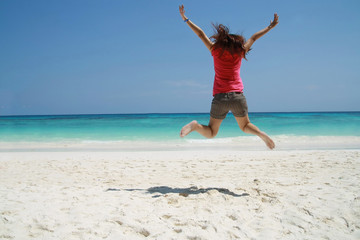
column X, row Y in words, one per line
column 302, row 194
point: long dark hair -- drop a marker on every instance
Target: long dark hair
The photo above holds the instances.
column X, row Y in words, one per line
column 224, row 40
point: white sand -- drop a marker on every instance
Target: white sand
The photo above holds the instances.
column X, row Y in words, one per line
column 180, row 195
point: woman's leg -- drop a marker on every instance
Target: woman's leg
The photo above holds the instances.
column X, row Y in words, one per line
column 247, row 127
column 209, row 131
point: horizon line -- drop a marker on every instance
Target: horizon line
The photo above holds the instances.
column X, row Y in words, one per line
column 164, row 113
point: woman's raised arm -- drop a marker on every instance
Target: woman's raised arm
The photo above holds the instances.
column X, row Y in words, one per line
column 261, row 33
column 198, row 31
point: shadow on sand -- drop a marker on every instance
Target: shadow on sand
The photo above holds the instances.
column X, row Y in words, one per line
column 181, row 191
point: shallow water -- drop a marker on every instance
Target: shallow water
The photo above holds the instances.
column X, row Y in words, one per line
column 166, row 127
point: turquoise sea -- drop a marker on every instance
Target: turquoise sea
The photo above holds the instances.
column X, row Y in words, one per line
column 311, row 130
column 166, row 127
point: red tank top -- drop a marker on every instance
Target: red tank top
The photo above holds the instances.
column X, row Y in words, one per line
column 227, row 72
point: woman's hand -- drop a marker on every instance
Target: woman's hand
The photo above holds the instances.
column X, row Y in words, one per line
column 261, row 33
column 182, row 12
column 198, row 31
column 274, row 22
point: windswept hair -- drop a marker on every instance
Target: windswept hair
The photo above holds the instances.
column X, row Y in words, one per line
column 224, row 40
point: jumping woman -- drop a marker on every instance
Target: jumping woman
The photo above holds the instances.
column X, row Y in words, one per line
column 227, row 50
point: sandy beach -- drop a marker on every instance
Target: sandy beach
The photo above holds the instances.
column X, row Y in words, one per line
column 303, row 194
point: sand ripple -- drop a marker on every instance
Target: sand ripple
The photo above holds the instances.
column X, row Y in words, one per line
column 180, row 195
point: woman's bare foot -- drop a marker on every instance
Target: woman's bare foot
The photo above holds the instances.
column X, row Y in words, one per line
column 269, row 142
column 188, row 128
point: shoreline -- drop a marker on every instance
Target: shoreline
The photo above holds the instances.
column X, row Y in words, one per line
column 243, row 143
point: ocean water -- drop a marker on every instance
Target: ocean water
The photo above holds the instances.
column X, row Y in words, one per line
column 165, row 128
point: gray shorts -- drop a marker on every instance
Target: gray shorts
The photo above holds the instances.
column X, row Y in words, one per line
column 222, row 103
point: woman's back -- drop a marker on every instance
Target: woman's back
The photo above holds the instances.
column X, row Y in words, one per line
column 227, row 71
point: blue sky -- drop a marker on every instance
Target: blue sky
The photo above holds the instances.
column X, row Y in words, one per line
column 85, row 56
